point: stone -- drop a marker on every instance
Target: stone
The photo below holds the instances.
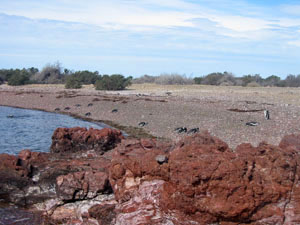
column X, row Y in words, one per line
column 82, row 185
column 68, row 140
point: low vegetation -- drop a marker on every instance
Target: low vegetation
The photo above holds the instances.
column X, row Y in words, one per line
column 223, row 79
column 55, row 74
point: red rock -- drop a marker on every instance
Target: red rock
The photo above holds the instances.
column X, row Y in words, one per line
column 198, row 180
column 78, row 139
column 292, row 140
column 205, row 182
column 82, row 185
column 105, row 213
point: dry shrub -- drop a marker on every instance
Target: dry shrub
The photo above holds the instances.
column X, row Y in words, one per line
column 253, row 84
column 50, row 74
column 144, row 79
column 174, row 78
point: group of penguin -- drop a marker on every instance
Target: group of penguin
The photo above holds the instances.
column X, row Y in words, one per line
column 86, row 114
column 178, row 130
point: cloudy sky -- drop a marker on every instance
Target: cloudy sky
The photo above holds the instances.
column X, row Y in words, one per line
column 136, row 37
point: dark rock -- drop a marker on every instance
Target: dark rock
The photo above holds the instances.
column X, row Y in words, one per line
column 105, row 214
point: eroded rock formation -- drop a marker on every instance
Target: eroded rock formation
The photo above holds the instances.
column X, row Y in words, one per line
column 66, row 140
column 198, row 180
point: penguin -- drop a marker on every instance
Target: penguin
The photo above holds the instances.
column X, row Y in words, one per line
column 90, row 104
column 180, row 130
column 67, row 108
column 252, row 123
column 77, row 105
column 88, row 114
column 57, row 109
column 142, row 124
column 10, row 116
column 267, row 114
column 193, row 130
column 114, row 110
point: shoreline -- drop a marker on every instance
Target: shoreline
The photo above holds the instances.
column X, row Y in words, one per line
column 131, row 132
column 222, row 111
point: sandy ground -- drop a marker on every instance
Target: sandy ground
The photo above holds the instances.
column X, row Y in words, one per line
column 212, row 108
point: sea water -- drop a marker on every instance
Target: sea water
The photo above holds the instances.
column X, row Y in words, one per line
column 32, row 129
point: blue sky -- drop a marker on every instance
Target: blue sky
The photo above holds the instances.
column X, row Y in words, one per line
column 136, row 37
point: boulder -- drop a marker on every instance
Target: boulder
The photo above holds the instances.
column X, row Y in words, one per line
column 68, row 140
column 82, row 185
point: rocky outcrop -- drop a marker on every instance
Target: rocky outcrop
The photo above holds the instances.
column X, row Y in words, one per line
column 205, row 182
column 66, row 140
column 198, row 180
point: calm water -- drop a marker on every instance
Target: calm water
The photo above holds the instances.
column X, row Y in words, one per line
column 31, row 129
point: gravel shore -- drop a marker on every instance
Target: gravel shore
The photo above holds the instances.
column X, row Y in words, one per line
column 223, row 111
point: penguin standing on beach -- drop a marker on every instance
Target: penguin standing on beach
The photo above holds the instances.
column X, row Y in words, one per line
column 267, row 114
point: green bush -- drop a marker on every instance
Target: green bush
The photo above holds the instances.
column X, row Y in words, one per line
column 87, row 77
column 198, row 80
column 113, row 82
column 18, row 79
column 72, row 82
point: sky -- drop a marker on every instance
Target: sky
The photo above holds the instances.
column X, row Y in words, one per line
column 137, row 37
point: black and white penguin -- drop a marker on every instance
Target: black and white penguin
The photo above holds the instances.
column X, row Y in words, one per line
column 57, row 109
column 180, row 130
column 114, row 110
column 142, row 124
column 267, row 114
column 67, row 108
column 252, row 123
column 90, row 104
column 77, row 105
column 88, row 114
column 193, row 130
